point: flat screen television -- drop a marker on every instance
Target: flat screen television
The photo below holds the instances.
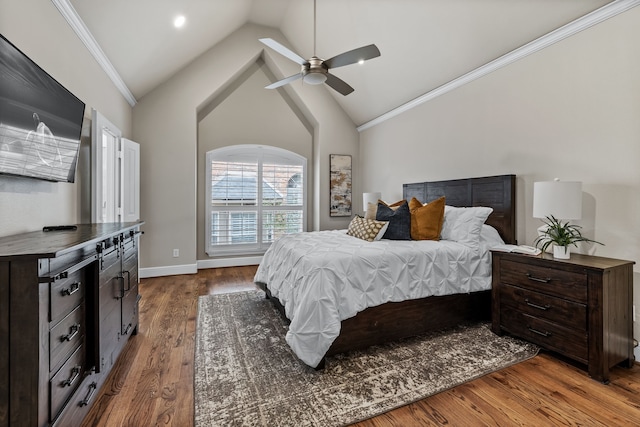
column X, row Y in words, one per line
column 40, row 120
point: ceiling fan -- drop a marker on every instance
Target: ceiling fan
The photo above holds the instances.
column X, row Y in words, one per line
column 315, row 71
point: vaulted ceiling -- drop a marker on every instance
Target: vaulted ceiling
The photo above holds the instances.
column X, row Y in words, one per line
column 424, row 44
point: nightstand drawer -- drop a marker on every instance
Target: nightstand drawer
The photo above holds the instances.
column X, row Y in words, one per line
column 563, row 312
column 559, row 283
column 571, row 342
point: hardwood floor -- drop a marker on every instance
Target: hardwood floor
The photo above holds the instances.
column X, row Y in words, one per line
column 152, row 383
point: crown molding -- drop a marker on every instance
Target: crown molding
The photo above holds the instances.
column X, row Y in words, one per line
column 75, row 22
column 597, row 16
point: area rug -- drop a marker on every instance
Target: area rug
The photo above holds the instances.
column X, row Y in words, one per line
column 246, row 374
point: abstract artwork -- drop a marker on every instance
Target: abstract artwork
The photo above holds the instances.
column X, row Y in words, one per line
column 340, row 187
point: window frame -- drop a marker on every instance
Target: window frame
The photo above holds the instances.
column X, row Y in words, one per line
column 260, row 153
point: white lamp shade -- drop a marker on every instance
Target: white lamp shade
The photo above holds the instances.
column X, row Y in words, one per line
column 370, row 198
column 562, row 199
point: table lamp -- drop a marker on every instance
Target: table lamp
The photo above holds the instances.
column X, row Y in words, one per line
column 370, row 198
column 560, row 199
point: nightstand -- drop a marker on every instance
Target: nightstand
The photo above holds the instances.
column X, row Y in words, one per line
column 580, row 307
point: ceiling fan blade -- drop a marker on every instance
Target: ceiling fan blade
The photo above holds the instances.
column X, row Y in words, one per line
column 353, row 56
column 284, row 51
column 284, row 81
column 338, row 84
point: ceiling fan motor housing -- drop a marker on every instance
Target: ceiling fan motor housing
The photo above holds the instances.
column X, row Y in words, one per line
column 314, row 71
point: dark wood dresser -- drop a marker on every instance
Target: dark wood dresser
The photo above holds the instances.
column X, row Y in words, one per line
column 580, row 307
column 68, row 304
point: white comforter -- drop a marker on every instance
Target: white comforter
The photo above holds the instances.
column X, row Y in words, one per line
column 324, row 277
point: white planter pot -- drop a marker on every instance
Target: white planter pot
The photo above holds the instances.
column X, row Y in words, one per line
column 561, row 252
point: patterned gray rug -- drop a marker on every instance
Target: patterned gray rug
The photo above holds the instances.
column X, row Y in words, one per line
column 246, row 374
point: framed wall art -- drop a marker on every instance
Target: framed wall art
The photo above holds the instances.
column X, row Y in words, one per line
column 340, row 186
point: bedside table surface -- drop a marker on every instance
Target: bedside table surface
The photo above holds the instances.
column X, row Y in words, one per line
column 588, row 261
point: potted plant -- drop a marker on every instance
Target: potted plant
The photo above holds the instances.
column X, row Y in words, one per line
column 560, row 235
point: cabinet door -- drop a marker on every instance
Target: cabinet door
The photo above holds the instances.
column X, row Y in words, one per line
column 109, row 321
column 109, row 296
column 130, row 299
column 130, row 310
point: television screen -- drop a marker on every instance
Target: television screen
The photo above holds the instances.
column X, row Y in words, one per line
column 40, row 120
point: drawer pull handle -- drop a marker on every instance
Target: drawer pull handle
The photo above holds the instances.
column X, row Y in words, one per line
column 126, row 331
column 539, row 307
column 73, row 331
column 75, row 287
column 538, row 279
column 92, row 388
column 75, row 374
column 535, row 331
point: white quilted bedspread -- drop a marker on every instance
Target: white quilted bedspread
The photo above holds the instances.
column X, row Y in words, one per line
column 324, row 277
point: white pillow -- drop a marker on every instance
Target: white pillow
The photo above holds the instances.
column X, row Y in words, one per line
column 490, row 235
column 463, row 225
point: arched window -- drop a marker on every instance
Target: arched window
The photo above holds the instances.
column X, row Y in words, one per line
column 255, row 194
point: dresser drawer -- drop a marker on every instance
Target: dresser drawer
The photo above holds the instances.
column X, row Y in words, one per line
column 65, row 337
column 66, row 294
column 564, row 284
column 81, row 401
column 65, row 381
column 570, row 342
column 561, row 311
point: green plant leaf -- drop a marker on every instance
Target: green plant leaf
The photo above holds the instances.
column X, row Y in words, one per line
column 561, row 234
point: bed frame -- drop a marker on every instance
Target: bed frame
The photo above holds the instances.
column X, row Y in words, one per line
column 396, row 320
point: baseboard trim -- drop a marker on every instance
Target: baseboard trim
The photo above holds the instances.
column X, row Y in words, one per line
column 229, row 262
column 173, row 270
column 170, row 270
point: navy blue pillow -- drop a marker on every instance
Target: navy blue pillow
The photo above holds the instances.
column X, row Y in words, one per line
column 399, row 227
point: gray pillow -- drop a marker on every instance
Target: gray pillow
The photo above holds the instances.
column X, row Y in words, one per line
column 399, row 227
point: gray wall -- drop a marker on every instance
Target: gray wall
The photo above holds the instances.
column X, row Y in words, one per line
column 37, row 28
column 570, row 111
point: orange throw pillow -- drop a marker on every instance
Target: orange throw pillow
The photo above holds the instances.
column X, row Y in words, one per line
column 426, row 220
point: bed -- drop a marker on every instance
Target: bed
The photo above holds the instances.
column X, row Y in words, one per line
column 299, row 276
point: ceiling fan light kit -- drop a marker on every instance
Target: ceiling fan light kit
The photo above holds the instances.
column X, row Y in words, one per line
column 314, row 78
column 314, row 70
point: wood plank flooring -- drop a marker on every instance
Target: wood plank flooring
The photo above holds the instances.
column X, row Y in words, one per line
column 152, row 383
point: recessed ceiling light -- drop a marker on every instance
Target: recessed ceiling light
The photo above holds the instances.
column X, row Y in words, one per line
column 361, row 62
column 179, row 21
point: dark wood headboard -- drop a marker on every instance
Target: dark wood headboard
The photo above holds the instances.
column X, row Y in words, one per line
column 497, row 192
